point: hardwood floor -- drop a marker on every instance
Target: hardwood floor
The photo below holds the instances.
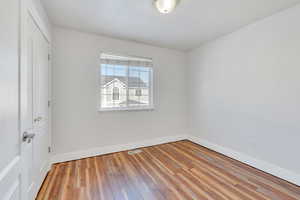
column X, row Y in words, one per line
column 179, row 170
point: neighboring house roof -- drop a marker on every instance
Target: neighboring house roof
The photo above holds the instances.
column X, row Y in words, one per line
column 132, row 81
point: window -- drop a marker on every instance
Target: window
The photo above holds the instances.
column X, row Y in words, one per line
column 116, row 93
column 138, row 92
column 125, row 83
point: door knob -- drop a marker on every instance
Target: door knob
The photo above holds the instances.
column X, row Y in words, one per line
column 28, row 136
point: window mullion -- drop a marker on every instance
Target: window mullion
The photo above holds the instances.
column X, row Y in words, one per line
column 150, row 87
column 127, row 89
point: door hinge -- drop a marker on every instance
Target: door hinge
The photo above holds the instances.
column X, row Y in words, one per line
column 49, row 57
column 49, row 104
column 49, row 149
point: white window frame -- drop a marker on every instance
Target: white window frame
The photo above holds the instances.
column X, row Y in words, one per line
column 131, row 108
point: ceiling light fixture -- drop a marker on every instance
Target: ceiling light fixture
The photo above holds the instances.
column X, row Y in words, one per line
column 166, row 6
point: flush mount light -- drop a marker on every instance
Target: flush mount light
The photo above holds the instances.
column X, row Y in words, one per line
column 165, row 6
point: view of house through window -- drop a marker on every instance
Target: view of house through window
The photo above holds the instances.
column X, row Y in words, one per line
column 116, row 94
column 125, row 82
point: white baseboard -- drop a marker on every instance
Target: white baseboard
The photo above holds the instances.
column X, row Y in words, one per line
column 259, row 164
column 114, row 148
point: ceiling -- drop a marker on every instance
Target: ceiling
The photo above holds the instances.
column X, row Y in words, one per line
column 192, row 23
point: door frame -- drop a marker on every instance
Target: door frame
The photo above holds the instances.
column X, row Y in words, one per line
column 28, row 9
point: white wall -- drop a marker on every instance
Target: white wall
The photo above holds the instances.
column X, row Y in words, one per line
column 245, row 90
column 77, row 125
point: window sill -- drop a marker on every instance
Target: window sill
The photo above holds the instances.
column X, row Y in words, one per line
column 148, row 108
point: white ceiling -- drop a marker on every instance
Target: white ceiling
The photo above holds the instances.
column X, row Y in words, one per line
column 192, row 23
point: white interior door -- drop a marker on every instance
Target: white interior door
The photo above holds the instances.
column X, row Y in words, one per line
column 34, row 108
column 11, row 173
column 41, row 141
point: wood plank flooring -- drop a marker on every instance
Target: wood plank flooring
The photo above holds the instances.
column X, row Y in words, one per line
column 179, row 170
